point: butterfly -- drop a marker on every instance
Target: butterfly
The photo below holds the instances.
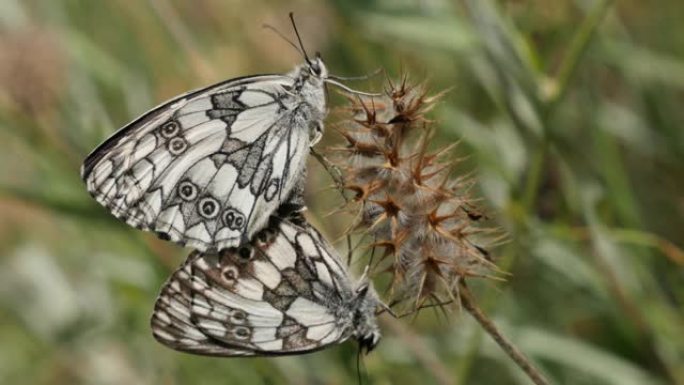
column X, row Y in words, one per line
column 207, row 168
column 285, row 293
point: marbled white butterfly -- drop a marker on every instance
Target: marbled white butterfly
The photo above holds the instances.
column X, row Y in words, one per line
column 285, row 293
column 208, row 168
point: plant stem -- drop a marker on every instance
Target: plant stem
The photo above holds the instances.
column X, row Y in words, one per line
column 338, row 179
column 333, row 171
column 507, row 346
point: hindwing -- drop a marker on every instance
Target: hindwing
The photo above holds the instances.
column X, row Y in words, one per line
column 286, row 292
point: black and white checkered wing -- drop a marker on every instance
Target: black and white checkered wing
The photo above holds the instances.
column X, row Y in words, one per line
column 285, row 293
column 206, row 169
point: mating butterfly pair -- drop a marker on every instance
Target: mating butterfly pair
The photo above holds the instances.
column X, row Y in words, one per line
column 220, row 170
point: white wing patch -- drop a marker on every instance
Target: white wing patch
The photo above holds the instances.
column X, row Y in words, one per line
column 304, row 310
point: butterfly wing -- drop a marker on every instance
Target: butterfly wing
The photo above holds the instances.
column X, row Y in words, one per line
column 208, row 168
column 172, row 323
column 286, row 293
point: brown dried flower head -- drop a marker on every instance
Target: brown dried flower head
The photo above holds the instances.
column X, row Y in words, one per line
column 417, row 214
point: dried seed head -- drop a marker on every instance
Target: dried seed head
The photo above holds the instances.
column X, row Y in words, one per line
column 421, row 217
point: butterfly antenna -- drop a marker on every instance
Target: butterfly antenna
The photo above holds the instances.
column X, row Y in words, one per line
column 274, row 29
column 299, row 39
column 362, row 77
column 351, row 91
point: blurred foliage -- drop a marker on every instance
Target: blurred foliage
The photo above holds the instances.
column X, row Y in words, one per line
column 570, row 113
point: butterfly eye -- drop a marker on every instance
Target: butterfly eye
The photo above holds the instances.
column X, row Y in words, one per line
column 177, row 145
column 169, row 129
column 187, row 191
column 208, row 207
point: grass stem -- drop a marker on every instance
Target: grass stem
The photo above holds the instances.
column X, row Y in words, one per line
column 507, row 346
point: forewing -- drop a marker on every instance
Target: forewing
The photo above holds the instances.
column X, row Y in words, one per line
column 285, row 293
column 208, row 168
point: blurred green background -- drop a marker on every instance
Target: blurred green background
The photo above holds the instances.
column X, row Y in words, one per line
column 571, row 114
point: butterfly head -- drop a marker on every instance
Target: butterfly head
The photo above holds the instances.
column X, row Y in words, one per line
column 366, row 327
column 317, row 68
column 310, row 77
